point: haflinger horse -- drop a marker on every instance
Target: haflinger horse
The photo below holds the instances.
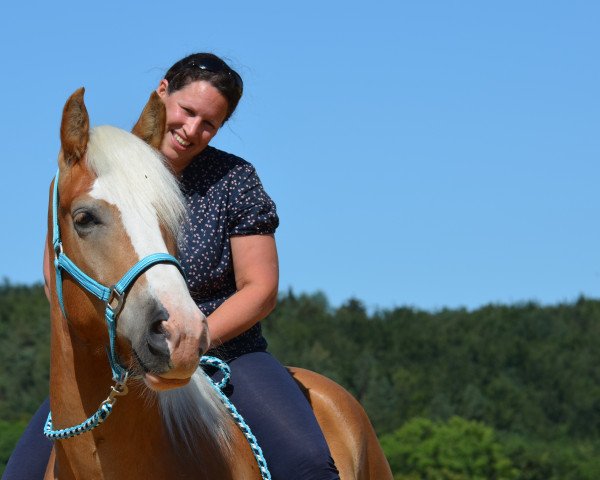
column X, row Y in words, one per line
column 116, row 202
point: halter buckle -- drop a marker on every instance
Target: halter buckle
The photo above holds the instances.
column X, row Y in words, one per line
column 115, row 296
column 58, row 250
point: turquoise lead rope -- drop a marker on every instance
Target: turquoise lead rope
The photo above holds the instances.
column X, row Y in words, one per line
column 106, row 408
column 113, row 298
column 92, row 422
column 239, row 420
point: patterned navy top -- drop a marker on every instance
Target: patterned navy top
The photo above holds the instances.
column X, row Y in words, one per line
column 224, row 197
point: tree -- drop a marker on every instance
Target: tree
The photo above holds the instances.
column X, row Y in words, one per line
column 454, row 450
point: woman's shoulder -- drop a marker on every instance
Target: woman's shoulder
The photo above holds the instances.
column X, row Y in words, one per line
column 212, row 155
column 214, row 168
column 231, row 181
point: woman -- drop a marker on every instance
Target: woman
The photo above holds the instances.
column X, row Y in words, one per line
column 230, row 259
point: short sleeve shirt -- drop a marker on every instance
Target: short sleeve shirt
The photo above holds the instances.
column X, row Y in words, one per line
column 224, row 197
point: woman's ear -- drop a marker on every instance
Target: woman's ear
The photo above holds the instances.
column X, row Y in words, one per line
column 151, row 125
column 163, row 88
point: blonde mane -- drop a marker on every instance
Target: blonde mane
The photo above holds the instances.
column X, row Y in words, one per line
column 136, row 175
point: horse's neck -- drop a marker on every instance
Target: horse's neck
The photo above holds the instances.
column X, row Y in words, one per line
column 80, row 381
column 132, row 442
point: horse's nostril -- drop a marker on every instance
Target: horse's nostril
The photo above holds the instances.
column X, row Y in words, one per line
column 157, row 328
column 157, row 342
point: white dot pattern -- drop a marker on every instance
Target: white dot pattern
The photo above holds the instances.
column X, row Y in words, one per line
column 224, row 197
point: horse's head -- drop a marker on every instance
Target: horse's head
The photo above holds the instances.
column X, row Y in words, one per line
column 119, row 203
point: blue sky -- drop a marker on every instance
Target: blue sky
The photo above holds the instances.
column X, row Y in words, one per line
column 432, row 153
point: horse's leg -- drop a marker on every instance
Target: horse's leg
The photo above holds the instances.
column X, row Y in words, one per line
column 348, row 430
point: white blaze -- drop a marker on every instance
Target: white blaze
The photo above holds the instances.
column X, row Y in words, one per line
column 165, row 281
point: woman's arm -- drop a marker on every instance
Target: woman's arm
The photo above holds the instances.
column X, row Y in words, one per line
column 256, row 270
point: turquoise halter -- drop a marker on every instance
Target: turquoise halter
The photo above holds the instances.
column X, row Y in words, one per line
column 113, row 297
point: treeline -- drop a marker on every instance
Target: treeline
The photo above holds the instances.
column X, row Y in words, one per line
column 503, row 392
column 523, row 369
column 528, row 372
column 24, row 350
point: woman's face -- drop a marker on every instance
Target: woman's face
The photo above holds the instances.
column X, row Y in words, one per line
column 194, row 115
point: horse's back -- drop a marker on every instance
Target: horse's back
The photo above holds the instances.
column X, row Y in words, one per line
column 346, row 426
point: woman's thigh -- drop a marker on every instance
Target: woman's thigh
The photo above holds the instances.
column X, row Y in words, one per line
column 29, row 458
column 280, row 417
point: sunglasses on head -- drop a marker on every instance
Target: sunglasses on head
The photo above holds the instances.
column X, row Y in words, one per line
column 217, row 66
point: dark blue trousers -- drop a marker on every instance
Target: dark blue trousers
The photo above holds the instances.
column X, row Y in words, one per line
column 30, row 457
column 264, row 394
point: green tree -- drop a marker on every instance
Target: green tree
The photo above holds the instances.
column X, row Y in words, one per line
column 24, row 350
column 454, row 450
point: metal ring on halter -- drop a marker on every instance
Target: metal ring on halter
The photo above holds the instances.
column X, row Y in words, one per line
column 58, row 250
column 117, row 390
column 118, row 296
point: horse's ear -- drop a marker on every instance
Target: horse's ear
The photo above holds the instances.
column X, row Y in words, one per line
column 151, row 125
column 75, row 128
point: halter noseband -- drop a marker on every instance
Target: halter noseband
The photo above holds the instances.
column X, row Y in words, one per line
column 113, row 297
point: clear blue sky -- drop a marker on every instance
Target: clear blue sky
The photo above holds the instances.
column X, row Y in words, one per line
column 430, row 153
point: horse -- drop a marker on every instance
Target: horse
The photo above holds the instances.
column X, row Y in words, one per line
column 113, row 202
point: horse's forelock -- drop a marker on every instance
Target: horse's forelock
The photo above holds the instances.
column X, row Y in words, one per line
column 136, row 175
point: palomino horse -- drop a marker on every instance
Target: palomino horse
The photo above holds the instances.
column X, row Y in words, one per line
column 117, row 203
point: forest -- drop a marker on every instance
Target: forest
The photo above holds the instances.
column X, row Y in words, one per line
column 500, row 392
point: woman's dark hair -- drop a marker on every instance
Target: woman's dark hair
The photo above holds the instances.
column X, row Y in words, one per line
column 208, row 67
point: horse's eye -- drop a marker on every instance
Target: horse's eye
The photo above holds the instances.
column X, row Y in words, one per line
column 84, row 218
column 84, row 221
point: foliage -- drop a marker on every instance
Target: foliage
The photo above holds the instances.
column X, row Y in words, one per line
column 458, row 449
column 24, row 350
column 24, row 356
column 9, row 435
column 524, row 368
column 561, row 459
column 528, row 372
